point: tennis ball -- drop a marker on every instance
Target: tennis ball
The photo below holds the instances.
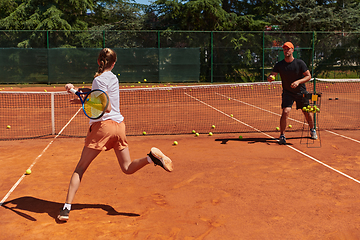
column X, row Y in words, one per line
column 8, row 126
column 197, row 134
column 231, row 115
column 277, row 128
column 213, row 126
column 175, row 143
column 145, row 80
column 304, row 109
column 144, row 133
column 290, row 126
column 28, row 172
column 193, row 131
column 45, row 90
column 272, row 77
column 210, row 133
column 229, row 99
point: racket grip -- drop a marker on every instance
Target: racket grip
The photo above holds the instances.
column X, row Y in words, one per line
column 73, row 90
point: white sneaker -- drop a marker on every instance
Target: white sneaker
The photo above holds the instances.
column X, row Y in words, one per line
column 313, row 134
column 160, row 159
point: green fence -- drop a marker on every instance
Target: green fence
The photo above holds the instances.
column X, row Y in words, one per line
column 171, row 56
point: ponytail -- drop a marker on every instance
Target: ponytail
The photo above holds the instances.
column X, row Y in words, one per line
column 105, row 60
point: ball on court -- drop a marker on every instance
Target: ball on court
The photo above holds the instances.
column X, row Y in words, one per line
column 144, row 133
column 213, row 126
column 277, row 128
column 28, row 172
column 175, row 143
column 290, row 126
column 193, row 131
column 8, row 126
column 231, row 115
column 197, row 134
column 210, row 133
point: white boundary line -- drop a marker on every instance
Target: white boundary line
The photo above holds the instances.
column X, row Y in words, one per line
column 245, row 103
column 40, row 155
column 349, row 138
column 297, row 150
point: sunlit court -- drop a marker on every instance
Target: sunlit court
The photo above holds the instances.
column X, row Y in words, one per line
column 235, row 183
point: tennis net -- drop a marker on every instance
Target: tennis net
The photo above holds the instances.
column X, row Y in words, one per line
column 231, row 108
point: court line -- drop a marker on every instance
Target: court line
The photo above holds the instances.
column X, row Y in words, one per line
column 295, row 149
column 265, row 110
column 245, row 103
column 337, row 134
column 36, row 159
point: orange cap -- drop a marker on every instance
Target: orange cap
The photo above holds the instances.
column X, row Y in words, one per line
column 288, row 44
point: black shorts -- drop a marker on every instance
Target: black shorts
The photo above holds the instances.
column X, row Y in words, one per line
column 288, row 100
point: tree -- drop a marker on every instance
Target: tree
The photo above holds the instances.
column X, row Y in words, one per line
column 305, row 15
column 199, row 15
column 47, row 15
column 117, row 15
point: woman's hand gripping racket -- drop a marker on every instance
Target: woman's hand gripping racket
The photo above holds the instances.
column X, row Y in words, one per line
column 94, row 103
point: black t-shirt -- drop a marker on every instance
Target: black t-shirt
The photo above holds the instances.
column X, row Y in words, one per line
column 289, row 73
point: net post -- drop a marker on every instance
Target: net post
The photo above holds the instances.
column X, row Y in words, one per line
column 315, row 104
column 52, row 113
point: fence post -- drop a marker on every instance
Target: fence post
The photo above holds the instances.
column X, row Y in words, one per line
column 212, row 56
column 48, row 55
column 103, row 38
column 263, row 56
column 159, row 59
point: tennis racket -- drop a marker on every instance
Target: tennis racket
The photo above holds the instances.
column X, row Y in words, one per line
column 94, row 103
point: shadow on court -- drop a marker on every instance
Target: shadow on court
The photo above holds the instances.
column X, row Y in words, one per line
column 256, row 140
column 36, row 205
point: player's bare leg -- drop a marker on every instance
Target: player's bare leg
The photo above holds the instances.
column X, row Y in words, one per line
column 87, row 156
column 128, row 166
column 283, row 121
column 310, row 120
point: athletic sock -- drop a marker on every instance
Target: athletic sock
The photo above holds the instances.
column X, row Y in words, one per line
column 67, row 205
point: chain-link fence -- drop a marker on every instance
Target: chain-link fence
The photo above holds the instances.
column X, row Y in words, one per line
column 171, row 56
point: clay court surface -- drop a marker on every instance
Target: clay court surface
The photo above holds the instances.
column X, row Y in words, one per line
column 222, row 187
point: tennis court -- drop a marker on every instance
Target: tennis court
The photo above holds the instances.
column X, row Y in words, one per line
column 222, row 187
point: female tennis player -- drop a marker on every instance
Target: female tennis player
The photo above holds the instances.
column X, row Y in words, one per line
column 108, row 132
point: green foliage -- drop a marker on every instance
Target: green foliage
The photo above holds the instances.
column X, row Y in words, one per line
column 305, row 15
column 200, row 15
column 45, row 15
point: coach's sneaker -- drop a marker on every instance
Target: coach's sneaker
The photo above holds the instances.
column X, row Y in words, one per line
column 282, row 139
column 160, row 159
column 313, row 134
column 64, row 214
